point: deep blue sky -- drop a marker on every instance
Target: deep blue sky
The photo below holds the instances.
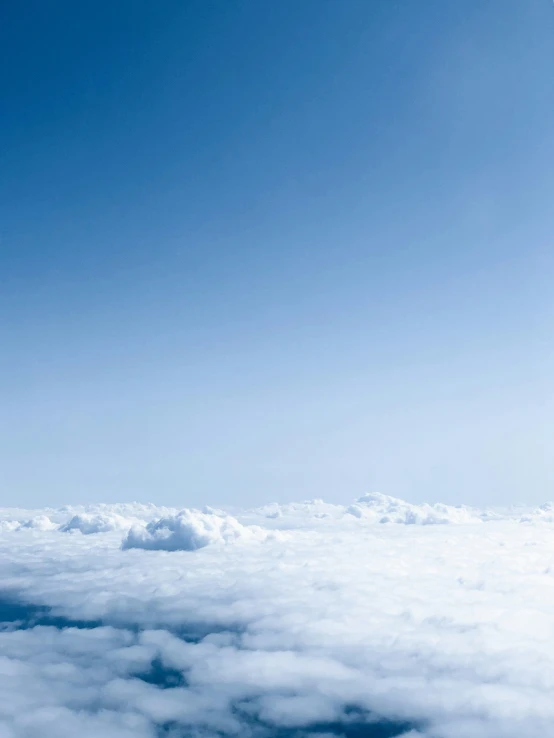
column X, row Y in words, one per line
column 274, row 250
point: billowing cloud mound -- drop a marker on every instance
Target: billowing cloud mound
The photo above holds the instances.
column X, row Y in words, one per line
column 371, row 508
column 358, row 625
column 39, row 522
column 190, row 530
column 87, row 523
column 384, row 509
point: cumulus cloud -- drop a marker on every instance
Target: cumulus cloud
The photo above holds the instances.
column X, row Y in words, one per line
column 190, row 530
column 94, row 523
column 343, row 626
column 39, row 522
column 384, row 509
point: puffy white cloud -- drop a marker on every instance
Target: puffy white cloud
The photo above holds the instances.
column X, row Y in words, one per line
column 39, row 522
column 190, row 530
column 87, row 523
column 429, row 631
column 384, row 509
column 96, row 518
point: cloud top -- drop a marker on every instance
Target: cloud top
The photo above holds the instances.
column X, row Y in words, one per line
column 88, row 524
column 190, row 530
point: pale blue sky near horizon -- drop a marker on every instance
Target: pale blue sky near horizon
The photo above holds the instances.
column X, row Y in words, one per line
column 255, row 251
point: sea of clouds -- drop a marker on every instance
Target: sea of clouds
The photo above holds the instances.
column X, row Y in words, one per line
column 308, row 620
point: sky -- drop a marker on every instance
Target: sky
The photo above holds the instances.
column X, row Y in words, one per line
column 271, row 251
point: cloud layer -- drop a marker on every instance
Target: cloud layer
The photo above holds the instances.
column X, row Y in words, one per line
column 377, row 619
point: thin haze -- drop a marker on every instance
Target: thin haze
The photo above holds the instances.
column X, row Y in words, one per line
column 273, row 250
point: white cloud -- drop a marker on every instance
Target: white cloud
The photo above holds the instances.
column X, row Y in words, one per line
column 39, row 522
column 87, row 523
column 442, row 630
column 384, row 509
column 190, row 530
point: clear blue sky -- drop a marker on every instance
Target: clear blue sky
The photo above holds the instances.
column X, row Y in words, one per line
column 276, row 250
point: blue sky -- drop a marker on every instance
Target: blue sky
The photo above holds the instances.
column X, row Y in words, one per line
column 255, row 251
